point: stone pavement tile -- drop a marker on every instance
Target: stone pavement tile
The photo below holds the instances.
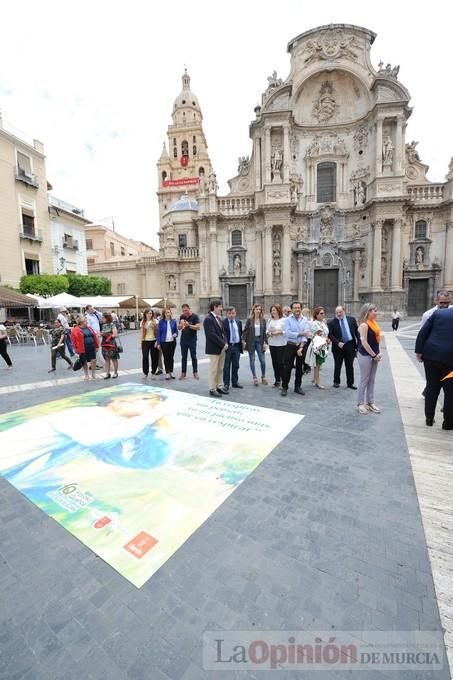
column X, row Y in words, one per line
column 122, row 649
column 98, row 664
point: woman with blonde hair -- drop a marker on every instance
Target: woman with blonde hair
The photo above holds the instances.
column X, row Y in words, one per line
column 319, row 346
column 167, row 332
column 368, row 357
column 254, row 338
column 148, row 339
column 276, row 339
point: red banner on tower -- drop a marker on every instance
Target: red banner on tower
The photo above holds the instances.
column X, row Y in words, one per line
column 180, row 182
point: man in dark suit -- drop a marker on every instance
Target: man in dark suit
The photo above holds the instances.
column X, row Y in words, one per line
column 344, row 335
column 434, row 346
column 216, row 346
column 233, row 332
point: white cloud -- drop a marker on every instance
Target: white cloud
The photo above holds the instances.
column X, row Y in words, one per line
column 96, row 82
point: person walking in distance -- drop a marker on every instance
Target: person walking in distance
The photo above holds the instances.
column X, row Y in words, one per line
column 434, row 346
column 344, row 335
column 396, row 316
column 254, row 337
column 94, row 322
column 167, row 332
column 276, row 339
column 3, row 347
column 189, row 325
column 368, row 356
column 57, row 346
column 297, row 329
column 216, row 347
column 148, row 339
column 233, row 332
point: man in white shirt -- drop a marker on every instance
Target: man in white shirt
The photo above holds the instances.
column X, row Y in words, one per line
column 93, row 318
column 443, row 301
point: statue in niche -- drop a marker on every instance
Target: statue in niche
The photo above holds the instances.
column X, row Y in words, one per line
column 385, row 239
column 361, row 193
column 170, row 232
column 237, row 265
column 326, row 227
column 384, row 272
column 387, row 150
column 244, row 166
column 420, row 257
column 276, row 161
column 202, row 184
column 213, row 186
column 171, row 282
column 277, row 269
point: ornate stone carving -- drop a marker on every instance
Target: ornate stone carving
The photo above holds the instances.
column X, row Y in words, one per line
column 420, row 258
column 276, row 162
column 171, row 282
column 223, row 271
column 302, row 233
column 388, row 71
column 412, row 153
column 213, row 186
column 237, row 265
column 449, row 175
column 274, row 81
column 243, row 165
column 326, row 226
column 387, row 151
column 279, row 103
column 326, row 144
column 276, row 256
column 295, row 183
column 360, row 139
column 294, row 145
column 384, row 272
column 326, row 105
column 169, row 233
column 360, row 192
column 330, row 46
column 363, row 261
column 385, row 238
column 360, row 173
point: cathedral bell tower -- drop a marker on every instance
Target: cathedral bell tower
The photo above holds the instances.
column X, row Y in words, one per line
column 184, row 160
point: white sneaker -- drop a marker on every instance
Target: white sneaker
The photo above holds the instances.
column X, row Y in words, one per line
column 374, row 408
column 362, row 409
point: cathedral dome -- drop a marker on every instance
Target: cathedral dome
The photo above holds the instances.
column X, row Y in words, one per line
column 186, row 97
column 183, row 203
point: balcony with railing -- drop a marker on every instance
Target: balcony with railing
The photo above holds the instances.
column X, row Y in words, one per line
column 29, row 233
column 26, row 177
column 70, row 243
column 426, row 193
column 188, row 253
column 236, row 206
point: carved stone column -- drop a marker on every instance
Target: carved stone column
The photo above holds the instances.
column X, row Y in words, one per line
column 258, row 168
column 379, row 123
column 259, row 262
column 396, row 256
column 300, row 279
column 355, row 291
column 448, row 264
column 267, row 156
column 267, row 257
column 399, row 145
column 285, row 154
column 377, row 256
column 286, row 261
column 213, row 264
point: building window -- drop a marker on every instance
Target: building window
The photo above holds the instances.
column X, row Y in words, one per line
column 326, row 182
column 112, row 248
column 89, row 242
column 421, row 229
column 174, row 141
column 184, row 148
column 31, row 266
column 164, row 176
column 90, row 260
column 194, row 140
column 123, row 251
column 190, row 289
column 28, row 224
column 201, row 171
column 194, row 150
column 236, row 238
column 24, row 164
column 121, row 288
column 175, row 152
column 182, row 240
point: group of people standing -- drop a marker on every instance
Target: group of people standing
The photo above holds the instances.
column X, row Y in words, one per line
column 297, row 339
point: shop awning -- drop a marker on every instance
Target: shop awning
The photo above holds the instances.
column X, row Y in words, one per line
column 9, row 298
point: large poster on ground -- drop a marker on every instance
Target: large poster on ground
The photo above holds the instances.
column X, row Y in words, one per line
column 132, row 471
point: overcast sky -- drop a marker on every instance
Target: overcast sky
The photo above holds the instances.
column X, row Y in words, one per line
column 95, row 81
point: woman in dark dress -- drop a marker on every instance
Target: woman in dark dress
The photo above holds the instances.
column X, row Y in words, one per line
column 85, row 342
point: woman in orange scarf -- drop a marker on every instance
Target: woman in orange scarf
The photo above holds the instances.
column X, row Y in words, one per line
column 368, row 356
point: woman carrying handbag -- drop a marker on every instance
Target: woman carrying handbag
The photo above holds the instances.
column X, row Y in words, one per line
column 254, row 339
column 319, row 346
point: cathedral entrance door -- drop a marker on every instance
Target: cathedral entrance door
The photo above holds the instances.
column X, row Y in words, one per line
column 417, row 299
column 325, row 291
column 238, row 298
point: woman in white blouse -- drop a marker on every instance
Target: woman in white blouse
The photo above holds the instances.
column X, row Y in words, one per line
column 319, row 347
column 276, row 339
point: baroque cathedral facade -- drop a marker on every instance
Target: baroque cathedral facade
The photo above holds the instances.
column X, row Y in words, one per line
column 333, row 205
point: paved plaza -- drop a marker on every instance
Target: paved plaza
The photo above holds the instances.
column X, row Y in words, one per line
column 345, row 526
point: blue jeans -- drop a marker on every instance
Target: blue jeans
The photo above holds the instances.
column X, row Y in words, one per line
column 232, row 357
column 259, row 351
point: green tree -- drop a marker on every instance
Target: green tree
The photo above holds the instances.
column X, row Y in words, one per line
column 89, row 285
column 45, row 285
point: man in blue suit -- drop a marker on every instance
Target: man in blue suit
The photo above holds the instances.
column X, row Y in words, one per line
column 434, row 346
column 233, row 332
column 216, row 346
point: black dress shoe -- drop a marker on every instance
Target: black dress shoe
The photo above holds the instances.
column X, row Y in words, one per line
column 336, row 385
column 430, row 422
column 284, row 392
column 299, row 390
column 214, row 393
column 352, row 387
column 239, row 387
column 223, row 390
column 446, row 427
